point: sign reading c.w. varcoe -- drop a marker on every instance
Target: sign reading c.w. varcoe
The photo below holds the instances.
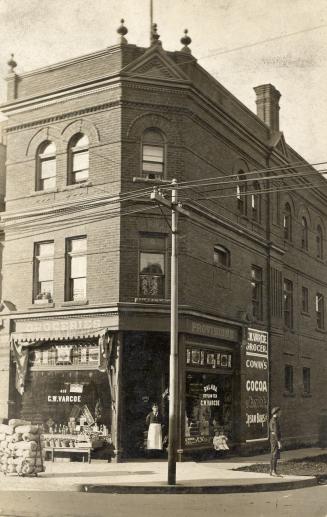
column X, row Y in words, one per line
column 256, row 385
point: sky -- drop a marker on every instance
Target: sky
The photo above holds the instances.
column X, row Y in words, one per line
column 242, row 43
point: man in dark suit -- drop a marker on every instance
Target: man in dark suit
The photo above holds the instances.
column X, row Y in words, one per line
column 275, row 437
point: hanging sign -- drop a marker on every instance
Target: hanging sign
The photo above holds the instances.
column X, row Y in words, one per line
column 256, row 385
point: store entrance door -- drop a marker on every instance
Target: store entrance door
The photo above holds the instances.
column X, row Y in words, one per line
column 145, row 381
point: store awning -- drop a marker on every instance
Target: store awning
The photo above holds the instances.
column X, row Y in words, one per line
column 29, row 338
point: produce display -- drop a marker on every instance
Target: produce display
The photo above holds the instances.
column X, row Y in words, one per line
column 21, row 448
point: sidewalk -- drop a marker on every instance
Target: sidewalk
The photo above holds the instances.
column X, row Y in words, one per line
column 214, row 476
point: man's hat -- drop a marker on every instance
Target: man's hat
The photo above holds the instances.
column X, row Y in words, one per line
column 275, row 410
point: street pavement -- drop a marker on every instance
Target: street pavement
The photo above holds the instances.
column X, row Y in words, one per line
column 214, row 476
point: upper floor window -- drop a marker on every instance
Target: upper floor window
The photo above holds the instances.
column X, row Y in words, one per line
column 320, row 309
column 152, row 266
column 304, row 234
column 256, row 202
column 305, row 299
column 153, row 151
column 306, row 381
column 241, row 193
column 76, row 269
column 256, row 287
column 319, row 243
column 78, row 159
column 288, row 303
column 46, row 166
column 287, row 222
column 221, row 256
column 43, row 271
column 289, row 379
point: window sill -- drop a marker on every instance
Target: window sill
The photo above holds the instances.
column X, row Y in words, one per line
column 41, row 192
column 290, row 395
column 322, row 331
column 74, row 186
column 74, row 302
column 306, row 395
column 44, row 305
column 304, row 313
column 151, row 300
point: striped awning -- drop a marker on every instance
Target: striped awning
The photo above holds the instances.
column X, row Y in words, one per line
column 29, row 338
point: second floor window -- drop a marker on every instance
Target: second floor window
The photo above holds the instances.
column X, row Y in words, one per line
column 320, row 309
column 78, row 159
column 76, row 269
column 288, row 303
column 256, row 288
column 152, row 266
column 153, row 151
column 287, row 223
column 304, row 234
column 46, row 166
column 305, row 299
column 319, row 243
column 221, row 256
column 288, row 379
column 241, row 193
column 43, row 271
column 256, row 202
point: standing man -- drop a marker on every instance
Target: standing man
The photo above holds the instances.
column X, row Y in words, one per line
column 275, row 437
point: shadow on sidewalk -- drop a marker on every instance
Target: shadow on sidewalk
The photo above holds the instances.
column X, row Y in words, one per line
column 96, row 474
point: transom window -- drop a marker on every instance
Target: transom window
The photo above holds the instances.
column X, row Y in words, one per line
column 78, row 159
column 43, row 271
column 153, row 154
column 46, row 166
column 76, row 269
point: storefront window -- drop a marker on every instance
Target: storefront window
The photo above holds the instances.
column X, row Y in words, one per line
column 208, row 407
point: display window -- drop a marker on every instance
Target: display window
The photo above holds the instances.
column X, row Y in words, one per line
column 208, row 406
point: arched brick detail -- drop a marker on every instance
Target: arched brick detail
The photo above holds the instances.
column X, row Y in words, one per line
column 149, row 120
column 240, row 165
column 46, row 133
column 80, row 126
column 288, row 199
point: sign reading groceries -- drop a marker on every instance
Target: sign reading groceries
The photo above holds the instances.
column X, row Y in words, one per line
column 256, row 385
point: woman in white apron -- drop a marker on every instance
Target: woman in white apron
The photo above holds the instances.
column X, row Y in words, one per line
column 154, row 424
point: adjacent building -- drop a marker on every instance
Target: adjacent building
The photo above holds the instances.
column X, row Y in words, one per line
column 85, row 317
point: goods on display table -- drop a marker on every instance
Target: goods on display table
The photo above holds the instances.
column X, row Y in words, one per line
column 21, row 448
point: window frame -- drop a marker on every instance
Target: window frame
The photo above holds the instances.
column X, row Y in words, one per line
column 153, row 138
column 320, row 311
column 289, row 379
column 69, row 283
column 38, row 258
column 288, row 303
column 73, row 151
column 147, row 247
column 218, row 253
column 42, row 158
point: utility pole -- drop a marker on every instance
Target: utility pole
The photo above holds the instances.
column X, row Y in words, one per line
column 173, row 362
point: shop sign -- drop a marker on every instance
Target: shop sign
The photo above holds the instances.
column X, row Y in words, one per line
column 205, row 329
column 256, row 385
column 63, row 397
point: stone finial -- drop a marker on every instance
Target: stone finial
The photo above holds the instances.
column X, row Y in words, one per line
column 122, row 31
column 12, row 64
column 155, row 37
column 186, row 41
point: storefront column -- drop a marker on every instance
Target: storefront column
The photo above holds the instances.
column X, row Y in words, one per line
column 117, row 414
column 5, row 369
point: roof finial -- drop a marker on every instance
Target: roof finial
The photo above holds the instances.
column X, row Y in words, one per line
column 155, row 36
column 186, row 41
column 122, row 31
column 12, row 64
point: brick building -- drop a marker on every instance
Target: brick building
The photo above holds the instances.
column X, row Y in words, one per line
column 86, row 253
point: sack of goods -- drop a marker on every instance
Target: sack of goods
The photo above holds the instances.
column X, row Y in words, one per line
column 21, row 448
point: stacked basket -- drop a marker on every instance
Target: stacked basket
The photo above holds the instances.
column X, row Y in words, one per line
column 21, row 448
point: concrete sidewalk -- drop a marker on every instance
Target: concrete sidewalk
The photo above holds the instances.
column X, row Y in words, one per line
column 144, row 476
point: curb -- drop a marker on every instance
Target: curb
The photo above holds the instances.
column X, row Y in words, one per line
column 200, row 489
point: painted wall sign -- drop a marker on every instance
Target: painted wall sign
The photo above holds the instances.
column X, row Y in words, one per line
column 204, row 329
column 256, row 385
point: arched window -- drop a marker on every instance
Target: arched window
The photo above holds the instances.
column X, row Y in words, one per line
column 304, row 234
column 46, row 166
column 78, row 159
column 153, row 154
column 287, row 222
column 256, row 201
column 319, row 243
column 241, row 193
